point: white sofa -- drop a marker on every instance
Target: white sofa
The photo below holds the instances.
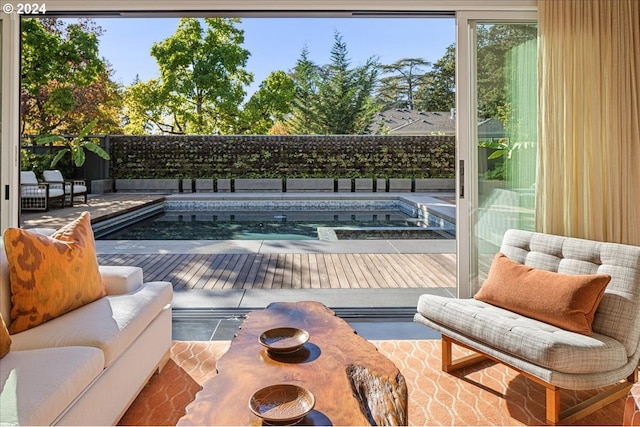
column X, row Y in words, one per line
column 87, row 366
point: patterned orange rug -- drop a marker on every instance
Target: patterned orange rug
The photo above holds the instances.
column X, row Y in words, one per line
column 484, row 394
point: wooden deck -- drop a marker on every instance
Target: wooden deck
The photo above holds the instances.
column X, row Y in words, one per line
column 293, row 271
column 260, row 270
column 100, row 207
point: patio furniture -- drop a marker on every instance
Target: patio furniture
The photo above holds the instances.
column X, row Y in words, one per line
column 353, row 383
column 550, row 355
column 72, row 188
column 38, row 196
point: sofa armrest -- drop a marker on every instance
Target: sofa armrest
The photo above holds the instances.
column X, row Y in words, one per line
column 120, row 279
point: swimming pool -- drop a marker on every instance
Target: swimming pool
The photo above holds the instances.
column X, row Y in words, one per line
column 279, row 220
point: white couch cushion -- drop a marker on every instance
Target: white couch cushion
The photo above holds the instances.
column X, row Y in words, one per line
column 77, row 189
column 28, row 177
column 53, row 175
column 36, row 386
column 537, row 342
column 120, row 279
column 111, row 323
column 36, row 192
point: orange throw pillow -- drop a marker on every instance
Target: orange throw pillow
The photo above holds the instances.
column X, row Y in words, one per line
column 5, row 339
column 564, row 300
column 51, row 275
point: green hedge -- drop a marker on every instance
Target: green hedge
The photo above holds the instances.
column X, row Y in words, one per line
column 326, row 156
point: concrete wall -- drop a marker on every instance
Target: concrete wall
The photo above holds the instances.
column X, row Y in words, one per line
column 292, row 185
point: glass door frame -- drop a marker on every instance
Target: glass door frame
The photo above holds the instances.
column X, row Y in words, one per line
column 467, row 136
column 9, row 119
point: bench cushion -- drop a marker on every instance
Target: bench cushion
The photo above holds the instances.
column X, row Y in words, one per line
column 529, row 339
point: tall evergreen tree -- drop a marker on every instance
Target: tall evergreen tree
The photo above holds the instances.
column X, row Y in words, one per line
column 335, row 99
column 305, row 76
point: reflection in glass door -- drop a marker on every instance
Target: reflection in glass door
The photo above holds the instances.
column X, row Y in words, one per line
column 501, row 138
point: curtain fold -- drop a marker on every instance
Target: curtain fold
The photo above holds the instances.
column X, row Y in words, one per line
column 589, row 119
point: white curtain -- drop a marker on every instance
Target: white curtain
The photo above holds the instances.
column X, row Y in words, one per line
column 588, row 181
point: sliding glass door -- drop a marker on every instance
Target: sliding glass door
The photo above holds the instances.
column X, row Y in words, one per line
column 9, row 117
column 497, row 133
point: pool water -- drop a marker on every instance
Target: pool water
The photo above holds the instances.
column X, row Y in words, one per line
column 269, row 225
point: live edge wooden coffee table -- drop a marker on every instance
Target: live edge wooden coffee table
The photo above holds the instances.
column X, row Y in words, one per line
column 352, row 382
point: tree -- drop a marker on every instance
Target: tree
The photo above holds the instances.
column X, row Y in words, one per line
column 144, row 109
column 305, row 76
column 202, row 79
column 437, row 91
column 65, row 83
column 270, row 104
column 404, row 77
column 101, row 101
column 334, row 99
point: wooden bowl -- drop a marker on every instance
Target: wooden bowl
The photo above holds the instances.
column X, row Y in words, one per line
column 282, row 403
column 284, row 340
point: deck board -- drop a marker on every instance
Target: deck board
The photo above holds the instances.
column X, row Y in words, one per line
column 293, row 271
column 367, row 280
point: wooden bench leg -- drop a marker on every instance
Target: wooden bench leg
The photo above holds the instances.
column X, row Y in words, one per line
column 450, row 365
column 553, row 405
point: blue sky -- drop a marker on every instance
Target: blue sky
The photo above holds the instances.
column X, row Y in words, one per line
column 276, row 43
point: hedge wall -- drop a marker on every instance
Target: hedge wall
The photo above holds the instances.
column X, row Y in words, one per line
column 262, row 156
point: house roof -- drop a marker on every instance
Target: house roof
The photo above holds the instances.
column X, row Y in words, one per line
column 402, row 121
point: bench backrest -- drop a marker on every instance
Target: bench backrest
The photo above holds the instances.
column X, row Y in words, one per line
column 618, row 314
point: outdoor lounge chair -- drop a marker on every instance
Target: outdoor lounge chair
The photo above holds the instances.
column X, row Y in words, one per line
column 35, row 195
column 549, row 355
column 72, row 188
